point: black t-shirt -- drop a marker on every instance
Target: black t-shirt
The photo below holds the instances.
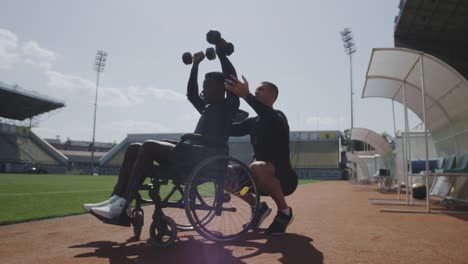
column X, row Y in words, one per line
column 215, row 120
column 269, row 134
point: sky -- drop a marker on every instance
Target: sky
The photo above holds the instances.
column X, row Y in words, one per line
column 49, row 47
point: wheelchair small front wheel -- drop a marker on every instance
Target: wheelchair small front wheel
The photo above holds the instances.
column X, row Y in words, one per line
column 163, row 232
column 137, row 222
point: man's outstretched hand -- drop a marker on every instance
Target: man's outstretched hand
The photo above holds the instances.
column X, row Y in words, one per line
column 240, row 89
column 198, row 57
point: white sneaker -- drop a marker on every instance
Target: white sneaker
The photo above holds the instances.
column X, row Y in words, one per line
column 112, row 210
column 88, row 206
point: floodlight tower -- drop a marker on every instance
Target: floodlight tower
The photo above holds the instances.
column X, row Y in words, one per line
column 99, row 64
column 350, row 48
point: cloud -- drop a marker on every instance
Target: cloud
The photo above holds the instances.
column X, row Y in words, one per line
column 33, row 54
column 38, row 56
column 138, row 94
column 8, row 49
column 133, row 126
column 32, row 50
column 70, row 83
column 108, row 96
column 167, row 94
column 114, row 97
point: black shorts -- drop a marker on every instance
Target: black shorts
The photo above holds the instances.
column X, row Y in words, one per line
column 287, row 177
column 285, row 174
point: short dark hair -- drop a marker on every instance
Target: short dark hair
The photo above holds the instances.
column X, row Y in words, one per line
column 218, row 79
column 218, row 76
column 273, row 87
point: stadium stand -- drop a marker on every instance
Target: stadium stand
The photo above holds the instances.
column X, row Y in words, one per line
column 20, row 149
column 316, row 154
column 435, row 27
column 78, row 153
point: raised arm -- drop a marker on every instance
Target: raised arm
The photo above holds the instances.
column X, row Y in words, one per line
column 192, row 86
column 228, row 71
column 226, row 65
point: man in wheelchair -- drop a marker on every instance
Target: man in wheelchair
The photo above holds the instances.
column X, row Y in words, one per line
column 212, row 131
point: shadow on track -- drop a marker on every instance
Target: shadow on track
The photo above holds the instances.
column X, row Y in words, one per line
column 291, row 248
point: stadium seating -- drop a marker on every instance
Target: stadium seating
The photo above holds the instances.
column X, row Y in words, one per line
column 21, row 149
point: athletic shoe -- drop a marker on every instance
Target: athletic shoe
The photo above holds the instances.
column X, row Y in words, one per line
column 281, row 222
column 264, row 212
column 88, row 206
column 112, row 210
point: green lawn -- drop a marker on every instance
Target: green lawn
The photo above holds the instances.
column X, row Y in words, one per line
column 25, row 197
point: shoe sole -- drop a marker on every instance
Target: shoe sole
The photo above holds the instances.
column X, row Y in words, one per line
column 102, row 218
column 264, row 216
column 282, row 233
column 113, row 221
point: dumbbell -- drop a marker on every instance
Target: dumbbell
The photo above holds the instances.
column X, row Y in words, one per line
column 210, row 54
column 214, row 37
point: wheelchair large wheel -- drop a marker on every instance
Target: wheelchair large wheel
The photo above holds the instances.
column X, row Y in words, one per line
column 216, row 196
column 177, row 212
column 180, row 218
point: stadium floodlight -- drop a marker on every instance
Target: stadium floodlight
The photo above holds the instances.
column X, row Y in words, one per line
column 349, row 48
column 99, row 64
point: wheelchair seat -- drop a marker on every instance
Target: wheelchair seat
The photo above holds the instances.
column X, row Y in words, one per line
column 190, row 151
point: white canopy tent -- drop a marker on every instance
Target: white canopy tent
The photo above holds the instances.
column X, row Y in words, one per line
column 446, row 92
column 381, row 146
column 433, row 90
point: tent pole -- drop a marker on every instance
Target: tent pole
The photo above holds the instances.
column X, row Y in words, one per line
column 405, row 142
column 428, row 206
column 395, row 136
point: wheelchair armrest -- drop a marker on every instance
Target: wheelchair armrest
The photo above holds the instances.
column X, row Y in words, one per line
column 192, row 136
column 170, row 141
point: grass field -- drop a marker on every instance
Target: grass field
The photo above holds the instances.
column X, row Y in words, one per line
column 26, row 197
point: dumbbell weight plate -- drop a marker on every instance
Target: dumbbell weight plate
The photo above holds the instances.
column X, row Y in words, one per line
column 187, row 58
column 210, row 53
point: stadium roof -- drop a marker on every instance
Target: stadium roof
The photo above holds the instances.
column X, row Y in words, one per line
column 437, row 27
column 18, row 104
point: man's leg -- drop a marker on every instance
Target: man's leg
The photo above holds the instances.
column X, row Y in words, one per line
column 265, row 174
column 234, row 182
column 123, row 179
column 268, row 183
column 126, row 169
column 150, row 151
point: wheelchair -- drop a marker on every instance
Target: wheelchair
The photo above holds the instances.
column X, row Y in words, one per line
column 210, row 200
